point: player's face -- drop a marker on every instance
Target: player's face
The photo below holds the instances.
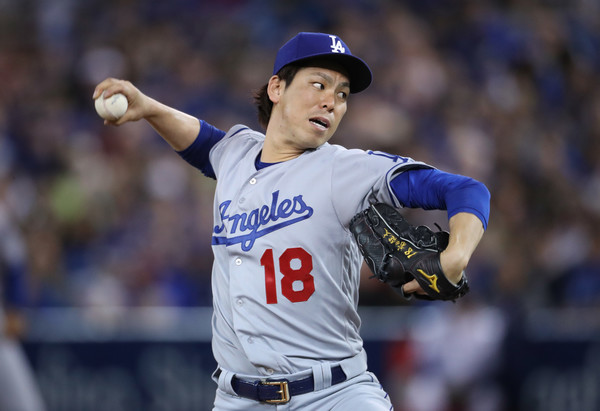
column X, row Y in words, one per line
column 312, row 106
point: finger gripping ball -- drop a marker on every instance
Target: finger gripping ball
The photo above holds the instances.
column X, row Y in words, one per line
column 111, row 108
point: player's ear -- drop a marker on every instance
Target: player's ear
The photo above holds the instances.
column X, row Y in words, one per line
column 275, row 88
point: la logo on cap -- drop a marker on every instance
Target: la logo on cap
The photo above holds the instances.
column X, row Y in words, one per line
column 336, row 45
column 305, row 47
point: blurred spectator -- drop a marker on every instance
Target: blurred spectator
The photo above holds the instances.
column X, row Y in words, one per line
column 18, row 388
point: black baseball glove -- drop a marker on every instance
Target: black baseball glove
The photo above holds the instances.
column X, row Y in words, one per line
column 398, row 252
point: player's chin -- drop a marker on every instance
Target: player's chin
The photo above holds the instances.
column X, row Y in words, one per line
column 316, row 143
column 320, row 137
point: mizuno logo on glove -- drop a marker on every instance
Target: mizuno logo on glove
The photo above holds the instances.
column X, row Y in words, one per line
column 431, row 278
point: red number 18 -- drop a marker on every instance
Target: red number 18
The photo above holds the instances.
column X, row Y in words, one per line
column 290, row 275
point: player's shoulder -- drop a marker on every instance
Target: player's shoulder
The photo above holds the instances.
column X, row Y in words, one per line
column 237, row 142
column 341, row 157
column 336, row 149
column 339, row 152
column 243, row 131
column 239, row 137
column 363, row 161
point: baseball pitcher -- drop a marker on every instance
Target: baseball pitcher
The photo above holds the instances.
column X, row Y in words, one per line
column 295, row 217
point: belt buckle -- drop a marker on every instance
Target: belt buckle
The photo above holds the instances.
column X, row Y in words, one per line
column 283, row 391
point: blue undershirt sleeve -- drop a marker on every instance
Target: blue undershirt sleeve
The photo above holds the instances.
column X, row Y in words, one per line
column 197, row 154
column 432, row 189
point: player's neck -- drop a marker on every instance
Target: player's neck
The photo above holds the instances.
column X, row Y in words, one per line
column 275, row 152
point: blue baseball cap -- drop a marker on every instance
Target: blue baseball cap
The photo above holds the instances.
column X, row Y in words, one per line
column 304, row 46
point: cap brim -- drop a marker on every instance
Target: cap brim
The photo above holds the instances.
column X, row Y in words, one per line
column 358, row 71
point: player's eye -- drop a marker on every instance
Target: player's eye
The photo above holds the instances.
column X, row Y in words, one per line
column 343, row 95
column 319, row 86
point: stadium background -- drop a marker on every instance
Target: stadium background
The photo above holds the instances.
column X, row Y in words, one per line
column 116, row 227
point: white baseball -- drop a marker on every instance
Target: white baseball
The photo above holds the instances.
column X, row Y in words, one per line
column 111, row 108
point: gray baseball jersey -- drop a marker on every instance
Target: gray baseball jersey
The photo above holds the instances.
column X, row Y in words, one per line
column 286, row 272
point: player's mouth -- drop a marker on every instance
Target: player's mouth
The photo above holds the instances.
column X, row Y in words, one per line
column 320, row 122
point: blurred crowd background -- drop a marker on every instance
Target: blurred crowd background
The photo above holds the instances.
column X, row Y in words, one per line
column 503, row 91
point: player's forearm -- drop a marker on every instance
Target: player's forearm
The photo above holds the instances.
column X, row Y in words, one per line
column 466, row 231
column 175, row 127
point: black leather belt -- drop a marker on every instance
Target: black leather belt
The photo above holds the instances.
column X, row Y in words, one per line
column 279, row 391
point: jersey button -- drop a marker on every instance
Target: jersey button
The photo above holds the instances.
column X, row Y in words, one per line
column 240, row 302
column 270, row 371
column 252, row 181
column 250, row 340
column 238, row 261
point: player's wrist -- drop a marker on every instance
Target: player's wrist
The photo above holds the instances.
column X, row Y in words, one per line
column 151, row 108
column 453, row 264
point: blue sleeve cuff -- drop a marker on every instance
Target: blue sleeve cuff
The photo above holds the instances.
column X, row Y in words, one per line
column 475, row 212
column 471, row 197
column 197, row 154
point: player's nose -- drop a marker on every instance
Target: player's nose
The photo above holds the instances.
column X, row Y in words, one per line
column 328, row 100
